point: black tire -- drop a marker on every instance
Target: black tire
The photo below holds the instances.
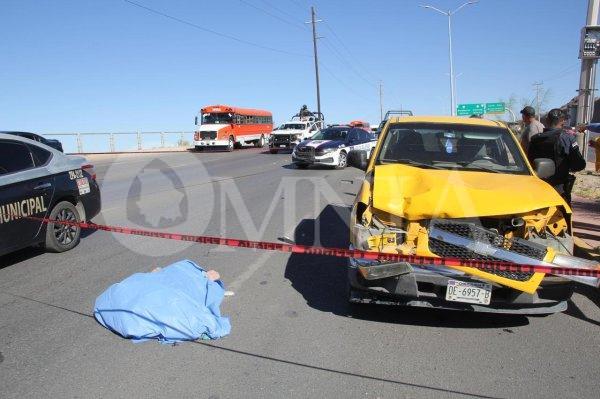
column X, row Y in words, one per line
column 343, row 160
column 60, row 237
column 231, row 144
column 301, row 165
column 273, row 151
column 199, row 148
column 260, row 143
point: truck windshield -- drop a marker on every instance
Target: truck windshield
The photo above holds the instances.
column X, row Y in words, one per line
column 220, row 118
column 452, row 146
column 292, row 126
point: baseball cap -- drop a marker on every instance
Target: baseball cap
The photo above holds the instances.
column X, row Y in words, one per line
column 528, row 111
column 555, row 115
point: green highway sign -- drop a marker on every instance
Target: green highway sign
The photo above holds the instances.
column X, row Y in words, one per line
column 495, row 108
column 470, row 109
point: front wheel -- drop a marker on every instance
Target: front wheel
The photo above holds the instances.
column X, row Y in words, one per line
column 260, row 143
column 230, row 144
column 62, row 237
column 342, row 160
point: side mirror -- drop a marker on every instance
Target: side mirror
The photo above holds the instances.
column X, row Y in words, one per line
column 358, row 159
column 196, row 121
column 544, row 167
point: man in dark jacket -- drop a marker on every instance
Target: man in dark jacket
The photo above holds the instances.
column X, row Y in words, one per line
column 556, row 144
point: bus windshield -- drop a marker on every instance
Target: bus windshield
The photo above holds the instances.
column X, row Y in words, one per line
column 217, row 118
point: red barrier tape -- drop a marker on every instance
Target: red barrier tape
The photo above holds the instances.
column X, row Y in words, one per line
column 488, row 266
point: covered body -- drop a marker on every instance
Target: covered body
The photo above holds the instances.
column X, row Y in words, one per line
column 177, row 303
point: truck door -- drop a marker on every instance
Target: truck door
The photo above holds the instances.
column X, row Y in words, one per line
column 24, row 191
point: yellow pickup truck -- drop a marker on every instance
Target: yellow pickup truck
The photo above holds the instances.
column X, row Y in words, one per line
column 460, row 188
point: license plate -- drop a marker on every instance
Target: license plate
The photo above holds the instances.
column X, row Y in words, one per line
column 282, row 145
column 462, row 291
column 83, row 185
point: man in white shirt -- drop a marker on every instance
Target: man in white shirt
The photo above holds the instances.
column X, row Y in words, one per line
column 531, row 126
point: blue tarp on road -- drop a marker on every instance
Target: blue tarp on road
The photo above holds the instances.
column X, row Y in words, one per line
column 177, row 303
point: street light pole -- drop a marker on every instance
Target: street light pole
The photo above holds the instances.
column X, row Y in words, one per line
column 449, row 14
column 452, row 92
column 380, row 100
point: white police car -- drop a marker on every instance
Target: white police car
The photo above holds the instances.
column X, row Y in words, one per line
column 332, row 146
column 39, row 181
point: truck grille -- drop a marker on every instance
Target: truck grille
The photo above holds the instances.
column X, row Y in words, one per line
column 446, row 250
column 479, row 234
column 463, row 235
column 208, row 135
column 281, row 139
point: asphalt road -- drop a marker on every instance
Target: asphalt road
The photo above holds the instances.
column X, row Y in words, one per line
column 292, row 334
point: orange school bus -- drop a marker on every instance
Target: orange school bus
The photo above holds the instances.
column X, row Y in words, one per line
column 231, row 127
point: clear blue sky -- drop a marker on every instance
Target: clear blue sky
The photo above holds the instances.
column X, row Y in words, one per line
column 107, row 65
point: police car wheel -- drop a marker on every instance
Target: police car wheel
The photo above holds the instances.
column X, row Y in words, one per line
column 342, row 160
column 60, row 237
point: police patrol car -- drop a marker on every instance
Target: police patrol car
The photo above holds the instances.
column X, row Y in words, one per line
column 331, row 146
column 39, row 181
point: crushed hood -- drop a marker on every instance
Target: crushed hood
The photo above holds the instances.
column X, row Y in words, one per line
column 416, row 193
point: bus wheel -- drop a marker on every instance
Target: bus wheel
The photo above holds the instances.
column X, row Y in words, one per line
column 260, row 143
column 230, row 144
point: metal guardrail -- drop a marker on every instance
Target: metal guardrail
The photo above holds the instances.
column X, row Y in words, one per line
column 122, row 141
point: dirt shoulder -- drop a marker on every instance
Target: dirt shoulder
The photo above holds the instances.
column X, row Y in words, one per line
column 587, row 184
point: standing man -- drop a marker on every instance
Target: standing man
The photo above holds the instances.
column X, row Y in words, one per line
column 531, row 126
column 556, row 144
column 595, row 142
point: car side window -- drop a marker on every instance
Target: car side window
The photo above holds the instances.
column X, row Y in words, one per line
column 40, row 156
column 14, row 157
column 352, row 136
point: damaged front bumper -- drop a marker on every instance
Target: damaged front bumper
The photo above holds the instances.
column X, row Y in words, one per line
column 425, row 286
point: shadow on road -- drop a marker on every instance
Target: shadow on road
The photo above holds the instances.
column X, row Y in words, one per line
column 31, row 252
column 322, row 281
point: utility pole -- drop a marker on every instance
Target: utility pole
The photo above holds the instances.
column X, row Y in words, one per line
column 314, row 21
column 585, row 100
column 380, row 100
column 537, row 98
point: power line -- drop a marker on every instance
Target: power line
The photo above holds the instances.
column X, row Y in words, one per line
column 281, row 11
column 339, row 39
column 563, row 73
column 295, row 25
column 214, row 32
column 341, row 82
column 301, row 6
column 347, row 63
